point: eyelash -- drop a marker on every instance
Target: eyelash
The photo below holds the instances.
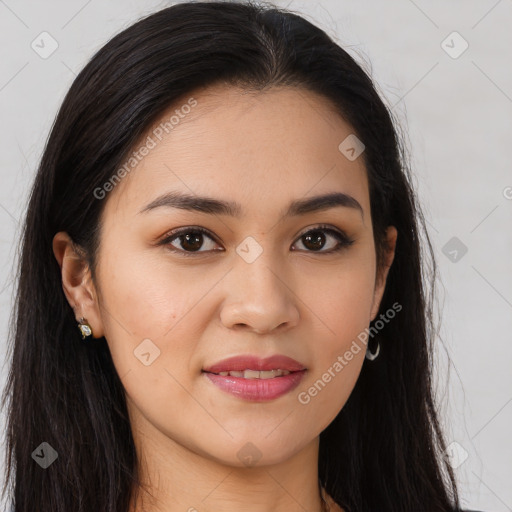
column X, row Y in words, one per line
column 343, row 240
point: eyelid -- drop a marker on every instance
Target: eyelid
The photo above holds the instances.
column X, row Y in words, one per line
column 321, row 227
column 171, row 235
column 344, row 240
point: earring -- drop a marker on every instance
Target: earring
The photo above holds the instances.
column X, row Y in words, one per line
column 372, row 355
column 84, row 328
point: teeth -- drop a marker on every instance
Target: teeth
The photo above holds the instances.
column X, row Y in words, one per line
column 255, row 374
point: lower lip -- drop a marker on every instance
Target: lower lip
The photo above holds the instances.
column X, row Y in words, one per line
column 257, row 390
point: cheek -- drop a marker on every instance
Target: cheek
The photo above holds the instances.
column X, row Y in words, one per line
column 153, row 318
column 343, row 295
column 337, row 355
column 342, row 305
column 144, row 296
column 346, row 300
column 143, row 306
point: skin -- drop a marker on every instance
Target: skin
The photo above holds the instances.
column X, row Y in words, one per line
column 262, row 150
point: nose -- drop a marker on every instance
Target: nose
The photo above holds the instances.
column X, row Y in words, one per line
column 260, row 297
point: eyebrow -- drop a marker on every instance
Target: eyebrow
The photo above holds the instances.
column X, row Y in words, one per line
column 213, row 206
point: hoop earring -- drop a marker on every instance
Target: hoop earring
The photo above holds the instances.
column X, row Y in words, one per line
column 371, row 356
column 85, row 328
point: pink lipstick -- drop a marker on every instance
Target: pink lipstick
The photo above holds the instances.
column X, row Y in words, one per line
column 254, row 379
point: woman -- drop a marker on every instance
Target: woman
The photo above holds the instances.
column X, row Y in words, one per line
column 224, row 210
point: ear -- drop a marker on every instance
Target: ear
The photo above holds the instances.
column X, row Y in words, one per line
column 77, row 282
column 380, row 282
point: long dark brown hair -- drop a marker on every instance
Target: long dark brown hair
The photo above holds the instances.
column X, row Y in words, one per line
column 383, row 452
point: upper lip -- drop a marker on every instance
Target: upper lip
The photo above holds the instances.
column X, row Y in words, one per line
column 250, row 362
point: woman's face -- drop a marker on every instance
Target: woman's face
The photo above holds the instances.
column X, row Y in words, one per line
column 269, row 276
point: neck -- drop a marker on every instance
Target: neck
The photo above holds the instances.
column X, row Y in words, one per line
column 177, row 478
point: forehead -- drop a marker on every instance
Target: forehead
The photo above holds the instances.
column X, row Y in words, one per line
column 274, row 145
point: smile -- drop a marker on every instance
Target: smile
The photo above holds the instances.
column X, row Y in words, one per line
column 255, row 374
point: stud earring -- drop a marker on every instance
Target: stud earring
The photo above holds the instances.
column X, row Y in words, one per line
column 85, row 328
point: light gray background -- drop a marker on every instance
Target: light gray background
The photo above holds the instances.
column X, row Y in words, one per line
column 458, row 114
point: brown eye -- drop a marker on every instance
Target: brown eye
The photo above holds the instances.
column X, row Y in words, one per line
column 190, row 240
column 314, row 240
column 321, row 237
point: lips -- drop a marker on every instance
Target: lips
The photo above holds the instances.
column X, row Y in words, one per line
column 256, row 390
column 249, row 362
column 254, row 379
